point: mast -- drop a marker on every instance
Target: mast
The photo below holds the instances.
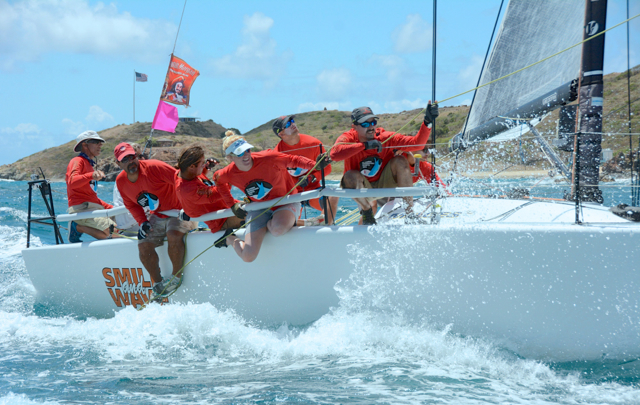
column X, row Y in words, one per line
column 590, row 97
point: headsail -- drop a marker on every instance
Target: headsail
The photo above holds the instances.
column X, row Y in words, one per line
column 530, row 32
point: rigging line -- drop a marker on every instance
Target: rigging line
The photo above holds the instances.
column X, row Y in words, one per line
column 486, row 55
column 179, row 25
column 511, row 74
column 247, row 223
column 541, row 60
column 434, row 133
column 629, row 104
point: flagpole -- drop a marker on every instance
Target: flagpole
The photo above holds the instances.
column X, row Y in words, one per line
column 134, row 96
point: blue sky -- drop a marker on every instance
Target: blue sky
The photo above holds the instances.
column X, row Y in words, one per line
column 68, row 64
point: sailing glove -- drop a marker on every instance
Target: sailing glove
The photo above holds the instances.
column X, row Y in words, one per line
column 144, row 230
column 183, row 216
column 431, row 113
column 212, row 162
column 239, row 211
column 373, row 144
column 307, row 180
column 323, row 161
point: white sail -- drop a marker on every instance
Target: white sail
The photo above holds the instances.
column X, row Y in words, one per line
column 530, row 32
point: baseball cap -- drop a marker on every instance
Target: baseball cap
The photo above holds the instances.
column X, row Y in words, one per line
column 86, row 135
column 280, row 122
column 361, row 114
column 123, row 149
column 238, row 147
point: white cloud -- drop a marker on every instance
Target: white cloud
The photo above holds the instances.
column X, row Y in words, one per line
column 97, row 114
column 332, row 105
column 256, row 57
column 334, row 84
column 23, row 140
column 468, row 76
column 412, row 36
column 73, row 127
column 29, row 29
column 397, row 74
column 403, row 105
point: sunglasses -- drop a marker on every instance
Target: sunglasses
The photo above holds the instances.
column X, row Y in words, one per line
column 242, row 154
column 93, row 141
column 128, row 158
column 287, row 125
column 369, row 124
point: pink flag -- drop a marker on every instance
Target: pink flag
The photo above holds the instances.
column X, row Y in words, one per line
column 166, row 117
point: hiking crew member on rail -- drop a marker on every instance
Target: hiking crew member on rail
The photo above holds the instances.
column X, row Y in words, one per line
column 294, row 143
column 80, row 195
column 370, row 164
column 424, row 171
column 151, row 183
column 198, row 198
column 261, row 176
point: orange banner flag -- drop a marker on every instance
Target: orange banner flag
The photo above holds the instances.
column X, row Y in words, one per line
column 177, row 84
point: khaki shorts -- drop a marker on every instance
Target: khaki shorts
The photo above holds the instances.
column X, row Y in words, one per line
column 386, row 180
column 101, row 223
column 160, row 227
column 257, row 220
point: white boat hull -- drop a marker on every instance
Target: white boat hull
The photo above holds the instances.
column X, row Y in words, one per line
column 548, row 290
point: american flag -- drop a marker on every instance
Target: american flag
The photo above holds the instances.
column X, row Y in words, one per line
column 141, row 77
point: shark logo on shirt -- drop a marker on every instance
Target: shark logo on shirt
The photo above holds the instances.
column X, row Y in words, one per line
column 296, row 171
column 148, row 200
column 370, row 166
column 258, row 189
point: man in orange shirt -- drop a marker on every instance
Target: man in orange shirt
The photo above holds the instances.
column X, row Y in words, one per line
column 80, row 195
column 294, row 143
column 370, row 164
column 151, row 184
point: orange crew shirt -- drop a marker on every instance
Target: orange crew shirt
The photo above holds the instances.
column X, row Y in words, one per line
column 369, row 162
column 78, row 177
column 310, row 148
column 268, row 178
column 155, row 188
column 198, row 198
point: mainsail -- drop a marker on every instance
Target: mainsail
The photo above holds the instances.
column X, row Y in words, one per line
column 530, row 32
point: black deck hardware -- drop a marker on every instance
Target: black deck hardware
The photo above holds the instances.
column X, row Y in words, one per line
column 45, row 190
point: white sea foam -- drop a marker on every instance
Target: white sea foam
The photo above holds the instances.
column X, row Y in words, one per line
column 353, row 348
column 21, row 399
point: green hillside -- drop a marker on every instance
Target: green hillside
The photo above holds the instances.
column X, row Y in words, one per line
column 327, row 125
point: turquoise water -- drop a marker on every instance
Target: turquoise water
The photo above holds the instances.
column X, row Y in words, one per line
column 198, row 354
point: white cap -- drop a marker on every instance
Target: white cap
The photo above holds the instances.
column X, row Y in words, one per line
column 85, row 136
column 238, row 147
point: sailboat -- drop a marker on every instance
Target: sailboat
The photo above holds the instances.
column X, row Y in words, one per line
column 549, row 279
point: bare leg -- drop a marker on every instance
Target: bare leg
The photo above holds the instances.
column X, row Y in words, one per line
column 402, row 175
column 150, row 260
column 355, row 179
column 175, row 240
column 248, row 249
column 332, row 209
column 96, row 233
column 281, row 222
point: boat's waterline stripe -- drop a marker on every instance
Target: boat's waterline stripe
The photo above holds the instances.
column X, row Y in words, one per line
column 255, row 206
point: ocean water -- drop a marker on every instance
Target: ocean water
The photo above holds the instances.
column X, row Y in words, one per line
column 356, row 354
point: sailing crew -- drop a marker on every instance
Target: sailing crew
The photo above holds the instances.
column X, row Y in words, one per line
column 197, row 195
column 151, row 184
column 261, row 176
column 80, row 194
column 424, row 171
column 292, row 142
column 370, row 164
column 126, row 223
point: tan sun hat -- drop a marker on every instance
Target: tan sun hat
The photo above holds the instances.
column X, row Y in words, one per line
column 86, row 135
